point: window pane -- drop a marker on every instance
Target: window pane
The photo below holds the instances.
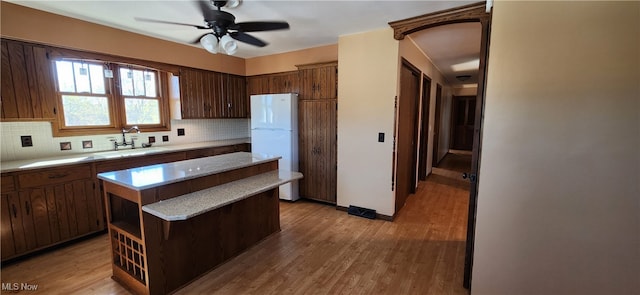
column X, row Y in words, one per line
column 97, row 78
column 150, row 83
column 138, row 81
column 126, row 81
column 64, row 70
column 142, row 111
column 82, row 77
column 85, row 110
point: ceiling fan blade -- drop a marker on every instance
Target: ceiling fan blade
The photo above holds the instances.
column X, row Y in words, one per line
column 246, row 38
column 260, row 26
column 169, row 23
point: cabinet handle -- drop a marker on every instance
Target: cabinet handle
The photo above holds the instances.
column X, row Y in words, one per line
column 15, row 210
column 27, row 207
column 58, row 175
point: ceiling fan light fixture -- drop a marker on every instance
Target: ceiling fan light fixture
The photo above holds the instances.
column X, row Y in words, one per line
column 228, row 44
column 210, row 43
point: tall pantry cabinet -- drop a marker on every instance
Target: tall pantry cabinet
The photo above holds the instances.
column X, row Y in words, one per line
column 317, row 111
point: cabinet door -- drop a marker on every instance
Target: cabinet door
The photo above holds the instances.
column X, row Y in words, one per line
column 318, row 149
column 7, row 243
column 307, row 84
column 28, row 90
column 258, row 85
column 319, row 82
column 236, row 97
column 196, row 90
column 325, row 79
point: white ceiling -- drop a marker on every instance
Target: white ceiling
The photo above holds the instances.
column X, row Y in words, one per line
column 313, row 22
column 454, row 49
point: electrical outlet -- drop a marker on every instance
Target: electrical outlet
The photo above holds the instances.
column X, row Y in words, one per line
column 152, row 139
column 165, row 138
column 180, row 131
column 381, row 137
column 26, row 140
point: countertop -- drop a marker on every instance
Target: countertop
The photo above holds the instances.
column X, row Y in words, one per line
column 27, row 164
column 196, row 203
column 162, row 174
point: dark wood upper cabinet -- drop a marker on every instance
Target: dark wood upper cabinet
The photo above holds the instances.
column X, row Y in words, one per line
column 206, row 95
column 318, row 81
column 28, row 89
column 286, row 82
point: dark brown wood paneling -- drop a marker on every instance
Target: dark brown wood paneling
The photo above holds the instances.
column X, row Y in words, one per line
column 16, row 223
column 20, row 80
column 206, row 240
column 61, row 212
column 28, row 225
column 8, row 248
column 46, row 85
column 40, row 217
column 52, row 213
column 9, row 103
column 70, row 204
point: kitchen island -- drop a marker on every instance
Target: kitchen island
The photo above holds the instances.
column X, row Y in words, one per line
column 171, row 223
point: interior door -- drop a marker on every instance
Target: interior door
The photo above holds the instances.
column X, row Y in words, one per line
column 424, row 127
column 407, row 133
column 463, row 117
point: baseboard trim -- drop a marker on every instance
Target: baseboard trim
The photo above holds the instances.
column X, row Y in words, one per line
column 378, row 215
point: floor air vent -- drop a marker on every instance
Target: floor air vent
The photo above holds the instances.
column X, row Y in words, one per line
column 362, row 212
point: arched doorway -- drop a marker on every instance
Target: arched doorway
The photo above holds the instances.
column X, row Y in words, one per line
column 469, row 13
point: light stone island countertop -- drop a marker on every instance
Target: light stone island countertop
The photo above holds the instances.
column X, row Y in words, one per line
column 196, row 203
column 78, row 158
column 162, row 174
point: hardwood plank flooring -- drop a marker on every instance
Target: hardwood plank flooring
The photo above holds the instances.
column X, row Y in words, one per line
column 319, row 250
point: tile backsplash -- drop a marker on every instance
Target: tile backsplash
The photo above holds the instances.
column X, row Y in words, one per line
column 45, row 145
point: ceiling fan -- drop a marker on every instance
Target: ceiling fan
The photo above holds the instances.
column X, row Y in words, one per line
column 224, row 28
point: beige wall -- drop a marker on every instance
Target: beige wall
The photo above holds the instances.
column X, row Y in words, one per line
column 368, row 67
column 410, row 52
column 287, row 61
column 19, row 22
column 559, row 192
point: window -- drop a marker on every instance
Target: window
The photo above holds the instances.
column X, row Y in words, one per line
column 141, row 102
column 83, row 94
column 88, row 101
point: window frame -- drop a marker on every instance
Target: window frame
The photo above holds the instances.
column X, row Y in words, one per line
column 117, row 111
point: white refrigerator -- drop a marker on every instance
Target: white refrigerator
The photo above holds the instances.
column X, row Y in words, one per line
column 274, row 131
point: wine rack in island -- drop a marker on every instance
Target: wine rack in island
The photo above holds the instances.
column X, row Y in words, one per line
column 171, row 223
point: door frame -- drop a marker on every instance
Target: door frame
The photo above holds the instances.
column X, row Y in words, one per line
column 476, row 12
column 436, row 126
column 413, row 149
column 424, row 127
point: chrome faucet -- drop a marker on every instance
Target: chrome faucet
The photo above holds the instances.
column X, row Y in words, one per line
column 124, row 140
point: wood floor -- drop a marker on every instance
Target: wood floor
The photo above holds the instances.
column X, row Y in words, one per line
column 320, row 250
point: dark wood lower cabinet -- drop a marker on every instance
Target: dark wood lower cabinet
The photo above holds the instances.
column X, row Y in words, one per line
column 34, row 218
column 49, row 206
column 318, row 149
